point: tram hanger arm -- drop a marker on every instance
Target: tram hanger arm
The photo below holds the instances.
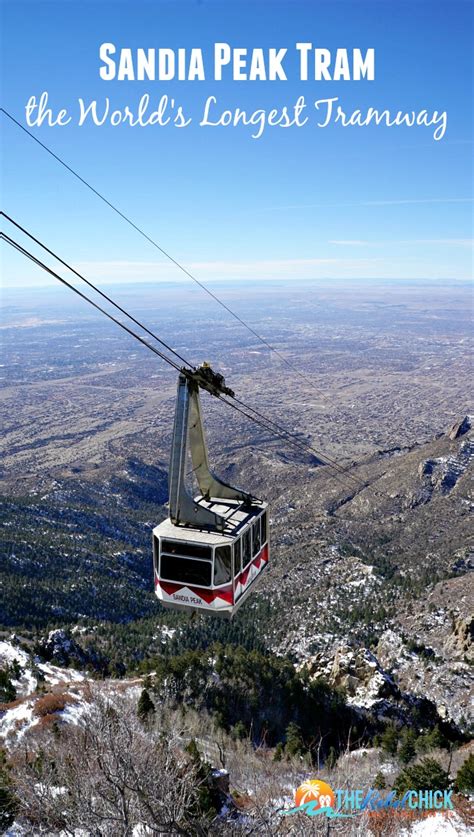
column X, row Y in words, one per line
column 205, row 378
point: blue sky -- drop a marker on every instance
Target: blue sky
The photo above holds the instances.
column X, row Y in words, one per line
column 303, row 203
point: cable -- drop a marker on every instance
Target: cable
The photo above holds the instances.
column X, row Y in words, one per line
column 263, row 421
column 303, row 445
column 41, row 264
column 95, row 288
column 287, row 433
column 158, row 247
column 291, row 440
column 323, row 458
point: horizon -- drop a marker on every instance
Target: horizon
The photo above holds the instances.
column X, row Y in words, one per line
column 235, row 284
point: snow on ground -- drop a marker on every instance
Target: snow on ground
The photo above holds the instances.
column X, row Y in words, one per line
column 9, row 653
column 360, row 753
column 388, row 768
column 438, row 825
column 164, row 634
column 17, row 720
column 55, row 675
column 27, row 683
column 20, row 717
column 73, row 712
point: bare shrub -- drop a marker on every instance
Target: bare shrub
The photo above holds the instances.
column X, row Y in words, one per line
column 51, row 703
column 108, row 776
column 12, row 704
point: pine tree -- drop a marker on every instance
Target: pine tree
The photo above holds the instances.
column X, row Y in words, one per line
column 7, row 689
column 407, row 747
column 436, row 739
column 379, row 781
column 426, row 775
column 278, row 752
column 465, row 776
column 331, row 758
column 239, row 730
column 294, row 740
column 209, row 801
column 194, row 754
column 389, row 739
column 146, row 707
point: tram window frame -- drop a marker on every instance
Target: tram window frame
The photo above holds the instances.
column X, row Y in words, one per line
column 264, row 529
column 156, row 552
column 246, row 541
column 225, row 564
column 237, row 556
column 256, row 537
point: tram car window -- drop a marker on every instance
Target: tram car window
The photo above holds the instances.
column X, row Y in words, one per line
column 186, row 570
column 238, row 556
column 222, row 564
column 246, row 548
column 256, row 537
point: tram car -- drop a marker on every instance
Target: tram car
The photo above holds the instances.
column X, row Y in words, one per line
column 212, row 571
column 211, row 551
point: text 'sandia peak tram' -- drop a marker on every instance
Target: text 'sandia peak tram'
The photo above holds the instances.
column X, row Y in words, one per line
column 210, row 552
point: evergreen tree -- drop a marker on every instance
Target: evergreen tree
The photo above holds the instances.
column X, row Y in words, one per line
column 239, row 730
column 379, row 781
column 331, row 758
column 426, row 775
column 389, row 739
column 16, row 669
column 7, row 689
column 407, row 750
column 146, row 707
column 278, row 752
column 465, row 776
column 436, row 739
column 432, row 740
column 193, row 753
column 209, row 798
column 294, row 740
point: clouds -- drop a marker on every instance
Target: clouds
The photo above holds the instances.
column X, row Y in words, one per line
column 228, row 270
column 396, row 202
column 453, row 242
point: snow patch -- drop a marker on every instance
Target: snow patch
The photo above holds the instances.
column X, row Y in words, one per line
column 9, row 653
column 438, row 825
column 17, row 720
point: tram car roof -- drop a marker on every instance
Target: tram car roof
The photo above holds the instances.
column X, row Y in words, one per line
column 237, row 518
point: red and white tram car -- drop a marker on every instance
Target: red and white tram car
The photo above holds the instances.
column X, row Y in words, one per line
column 213, row 548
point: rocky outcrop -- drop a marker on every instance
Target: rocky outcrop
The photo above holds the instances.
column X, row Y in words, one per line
column 460, row 427
column 357, row 671
column 371, row 689
column 461, row 639
column 442, row 474
column 430, row 652
column 60, row 648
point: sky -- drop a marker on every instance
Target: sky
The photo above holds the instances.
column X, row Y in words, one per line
column 295, row 204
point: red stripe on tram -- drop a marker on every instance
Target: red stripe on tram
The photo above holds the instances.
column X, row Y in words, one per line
column 261, row 558
column 208, row 596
